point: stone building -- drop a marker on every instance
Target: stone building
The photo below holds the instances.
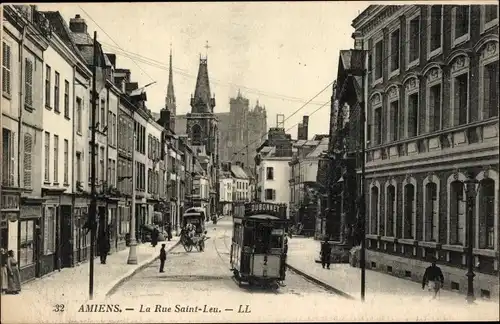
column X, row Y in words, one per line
column 432, row 112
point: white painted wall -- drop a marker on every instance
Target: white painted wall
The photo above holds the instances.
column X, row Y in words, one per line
column 308, row 170
column 280, row 182
column 226, row 190
column 56, row 123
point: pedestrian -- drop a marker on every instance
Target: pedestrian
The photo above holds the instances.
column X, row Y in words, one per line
column 163, row 257
column 433, row 278
column 154, row 237
column 169, row 231
column 14, row 279
column 326, row 251
column 104, row 247
column 4, row 277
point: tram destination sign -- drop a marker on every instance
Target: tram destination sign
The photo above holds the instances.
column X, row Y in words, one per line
column 255, row 208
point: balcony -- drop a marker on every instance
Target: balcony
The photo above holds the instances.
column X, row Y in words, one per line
column 462, row 139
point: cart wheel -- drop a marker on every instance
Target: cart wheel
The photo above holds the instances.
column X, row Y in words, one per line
column 189, row 248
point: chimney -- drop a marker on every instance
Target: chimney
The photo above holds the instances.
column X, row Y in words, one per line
column 238, row 163
column 300, row 131
column 305, row 127
column 78, row 24
column 131, row 86
column 165, row 118
column 112, row 59
column 242, row 165
column 229, row 166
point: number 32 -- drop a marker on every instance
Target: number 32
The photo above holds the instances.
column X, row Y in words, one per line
column 58, row 308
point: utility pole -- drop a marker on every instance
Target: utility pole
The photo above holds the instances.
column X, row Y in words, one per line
column 132, row 252
column 93, row 202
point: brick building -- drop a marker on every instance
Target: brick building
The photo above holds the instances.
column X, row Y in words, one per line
column 432, row 113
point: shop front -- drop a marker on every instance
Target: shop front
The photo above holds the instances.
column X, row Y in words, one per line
column 9, row 219
column 30, row 239
column 81, row 236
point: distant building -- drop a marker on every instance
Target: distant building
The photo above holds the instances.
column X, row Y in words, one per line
column 226, row 189
column 241, row 183
column 273, row 169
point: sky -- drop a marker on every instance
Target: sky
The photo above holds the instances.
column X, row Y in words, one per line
column 279, row 53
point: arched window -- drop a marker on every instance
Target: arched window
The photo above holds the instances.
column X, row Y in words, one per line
column 409, row 211
column 196, row 134
column 431, row 212
column 390, row 211
column 487, row 214
column 457, row 213
column 374, row 210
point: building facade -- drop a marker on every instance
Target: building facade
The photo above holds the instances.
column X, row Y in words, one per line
column 226, row 191
column 433, row 108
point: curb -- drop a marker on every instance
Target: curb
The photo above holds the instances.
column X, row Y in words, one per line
column 129, row 274
column 320, row 283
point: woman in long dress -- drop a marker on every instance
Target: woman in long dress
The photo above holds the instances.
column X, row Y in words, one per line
column 14, row 279
column 3, row 260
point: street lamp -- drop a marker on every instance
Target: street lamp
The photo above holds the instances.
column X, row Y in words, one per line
column 472, row 186
column 132, row 252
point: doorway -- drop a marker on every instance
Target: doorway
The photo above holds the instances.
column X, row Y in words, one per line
column 66, row 247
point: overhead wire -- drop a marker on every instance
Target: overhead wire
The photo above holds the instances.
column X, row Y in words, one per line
column 385, row 59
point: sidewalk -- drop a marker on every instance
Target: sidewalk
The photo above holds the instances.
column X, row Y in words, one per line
column 72, row 284
column 301, row 257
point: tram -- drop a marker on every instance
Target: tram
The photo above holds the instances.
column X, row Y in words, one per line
column 258, row 247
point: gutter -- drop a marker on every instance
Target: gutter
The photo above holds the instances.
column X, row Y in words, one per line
column 21, row 108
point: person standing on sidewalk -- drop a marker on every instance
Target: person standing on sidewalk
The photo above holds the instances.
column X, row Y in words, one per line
column 163, row 257
column 14, row 279
column 433, row 278
column 104, row 246
column 326, row 251
column 4, row 278
column 169, row 231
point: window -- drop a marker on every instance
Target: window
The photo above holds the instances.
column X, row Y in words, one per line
column 412, row 115
column 7, row 157
column 434, row 108
column 47, row 85
column 457, row 213
column 79, row 167
column 490, row 89
column 414, row 41
column 378, row 62
column 47, row 157
column 487, row 214
column 377, row 138
column 460, row 24
column 409, row 211
column 103, row 114
column 26, row 243
column 269, row 173
column 113, row 127
column 28, row 83
column 66, row 162
column 435, row 30
column 28, row 152
column 102, row 176
column 394, row 51
column 56, row 92
column 394, row 120
column 270, row 194
column 431, row 212
column 489, row 17
column 6, row 68
column 196, row 134
column 78, row 115
column 49, row 224
column 66, row 98
column 374, row 207
column 460, row 99
column 56, row 159
column 391, row 211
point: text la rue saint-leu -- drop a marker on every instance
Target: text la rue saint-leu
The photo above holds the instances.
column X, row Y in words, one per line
column 189, row 309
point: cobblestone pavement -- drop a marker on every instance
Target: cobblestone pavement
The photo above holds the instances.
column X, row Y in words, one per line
column 382, row 289
column 66, row 290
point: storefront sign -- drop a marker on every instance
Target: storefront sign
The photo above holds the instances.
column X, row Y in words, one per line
column 31, row 212
column 10, row 201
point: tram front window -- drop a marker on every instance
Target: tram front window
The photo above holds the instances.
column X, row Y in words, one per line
column 263, row 240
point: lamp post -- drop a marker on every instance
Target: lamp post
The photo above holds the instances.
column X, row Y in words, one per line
column 472, row 185
column 132, row 252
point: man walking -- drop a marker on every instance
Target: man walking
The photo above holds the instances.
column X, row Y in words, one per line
column 326, row 251
column 433, row 277
column 163, row 257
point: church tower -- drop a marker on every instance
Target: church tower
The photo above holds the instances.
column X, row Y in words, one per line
column 201, row 122
column 170, row 104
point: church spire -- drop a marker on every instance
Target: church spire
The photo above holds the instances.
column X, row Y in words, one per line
column 170, row 89
column 202, row 101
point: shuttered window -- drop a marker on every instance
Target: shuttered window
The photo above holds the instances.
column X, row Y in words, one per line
column 6, row 87
column 66, row 161
column 28, row 83
column 56, row 92
column 28, row 142
column 56, row 158
column 66, row 99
